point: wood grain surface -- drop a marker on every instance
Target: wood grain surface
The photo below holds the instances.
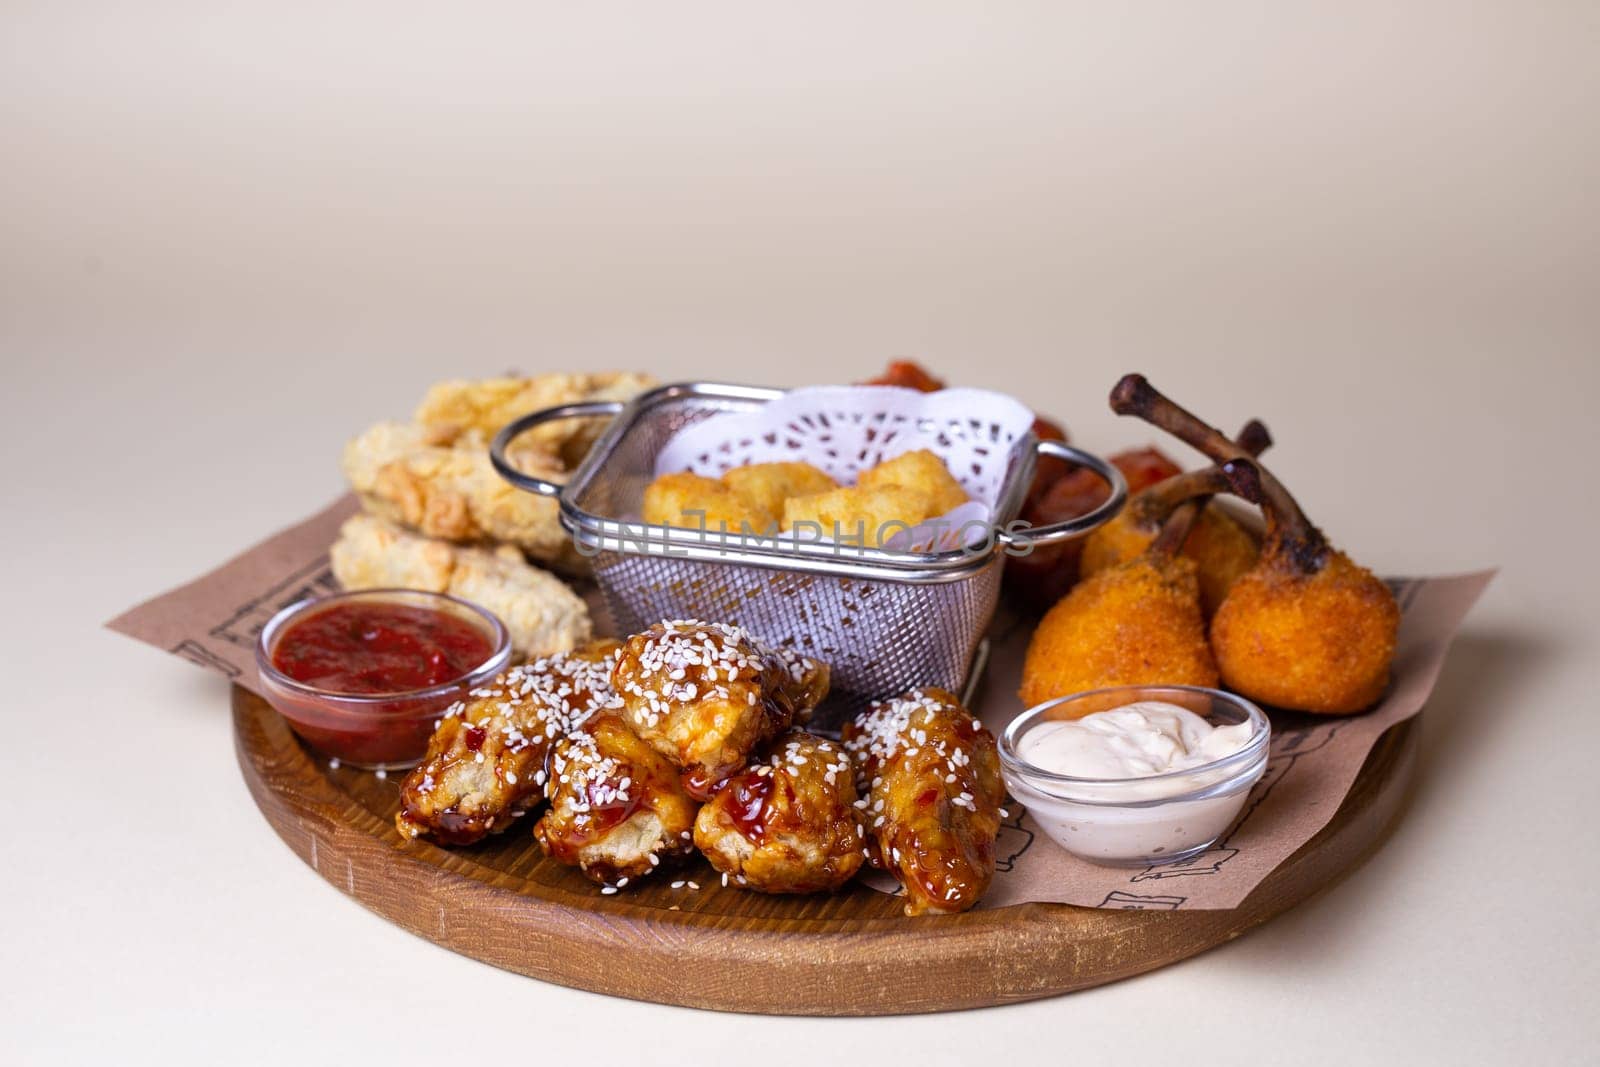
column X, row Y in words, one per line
column 850, row 953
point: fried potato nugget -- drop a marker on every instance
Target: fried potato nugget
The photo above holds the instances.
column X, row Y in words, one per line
column 908, row 489
column 692, row 501
column 767, row 485
column 930, row 777
column 706, row 695
column 542, row 613
column 450, row 490
column 871, row 514
column 617, row 809
column 788, row 824
column 485, row 761
column 923, row 473
column 482, row 407
column 1138, row 623
column 766, row 497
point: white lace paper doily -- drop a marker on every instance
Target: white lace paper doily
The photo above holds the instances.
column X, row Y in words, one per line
column 844, row 430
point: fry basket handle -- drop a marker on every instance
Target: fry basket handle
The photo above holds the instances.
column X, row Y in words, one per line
column 517, row 427
column 1067, row 529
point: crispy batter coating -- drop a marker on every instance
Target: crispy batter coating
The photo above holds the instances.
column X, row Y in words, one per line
column 788, row 824
column 764, row 497
column 482, row 407
column 617, row 810
column 869, row 514
column 485, row 761
column 1137, row 623
column 765, row 486
column 449, row 489
column 1223, row 550
column 1322, row 643
column 908, row 489
column 930, row 773
column 706, row 695
column 541, row 612
column 692, row 501
column 923, row 473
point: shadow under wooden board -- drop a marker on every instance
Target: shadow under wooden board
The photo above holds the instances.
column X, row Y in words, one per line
column 849, row 953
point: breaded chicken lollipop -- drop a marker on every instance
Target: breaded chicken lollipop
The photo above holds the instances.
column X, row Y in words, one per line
column 1220, row 547
column 1308, row 629
column 1133, row 623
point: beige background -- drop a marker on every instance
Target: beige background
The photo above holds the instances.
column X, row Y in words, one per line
column 232, row 235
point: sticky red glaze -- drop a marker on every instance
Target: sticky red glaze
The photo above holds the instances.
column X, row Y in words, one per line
column 698, row 785
column 747, row 805
column 452, row 828
column 374, row 647
column 603, row 817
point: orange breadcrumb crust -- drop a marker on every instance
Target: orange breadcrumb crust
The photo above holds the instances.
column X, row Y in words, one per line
column 1223, row 550
column 1320, row 643
column 1133, row 624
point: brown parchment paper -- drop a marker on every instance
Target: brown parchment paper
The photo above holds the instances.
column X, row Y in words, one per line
column 1314, row 761
column 213, row 622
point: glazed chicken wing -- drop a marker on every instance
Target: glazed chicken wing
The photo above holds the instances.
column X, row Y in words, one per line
column 617, row 809
column 931, row 777
column 788, row 824
column 705, row 695
column 485, row 761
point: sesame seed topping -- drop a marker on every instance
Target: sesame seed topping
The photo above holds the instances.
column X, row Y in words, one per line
column 680, row 661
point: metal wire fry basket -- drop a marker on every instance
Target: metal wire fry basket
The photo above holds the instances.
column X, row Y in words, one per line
column 884, row 621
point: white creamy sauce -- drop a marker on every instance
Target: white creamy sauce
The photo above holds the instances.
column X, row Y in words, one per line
column 1120, row 818
column 1134, row 741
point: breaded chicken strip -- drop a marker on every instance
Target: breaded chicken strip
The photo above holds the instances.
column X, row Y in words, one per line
column 788, row 824
column 454, row 408
column 617, row 810
column 930, row 775
column 485, row 761
column 706, row 695
column 542, row 613
column 404, row 473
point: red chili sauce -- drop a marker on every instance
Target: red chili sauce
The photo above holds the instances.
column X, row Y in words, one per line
column 376, row 647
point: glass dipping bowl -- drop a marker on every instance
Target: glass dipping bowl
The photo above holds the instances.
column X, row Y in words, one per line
column 1137, row 822
column 374, row 731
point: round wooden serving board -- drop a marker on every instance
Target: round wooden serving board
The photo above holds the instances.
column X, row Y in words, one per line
column 851, row 953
